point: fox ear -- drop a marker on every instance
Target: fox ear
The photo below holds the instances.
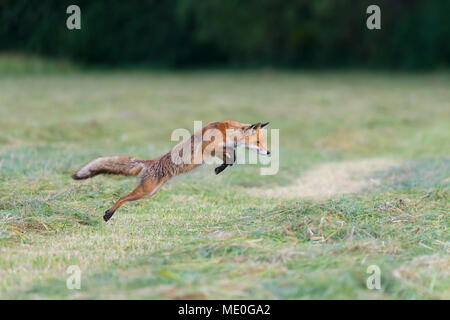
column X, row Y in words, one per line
column 253, row 126
column 264, row 124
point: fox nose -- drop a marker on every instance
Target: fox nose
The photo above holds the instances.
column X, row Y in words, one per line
column 268, row 152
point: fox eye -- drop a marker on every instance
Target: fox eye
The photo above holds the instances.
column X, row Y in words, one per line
column 257, row 142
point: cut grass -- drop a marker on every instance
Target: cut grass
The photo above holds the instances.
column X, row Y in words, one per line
column 238, row 234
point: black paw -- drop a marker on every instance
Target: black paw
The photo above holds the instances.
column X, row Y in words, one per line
column 108, row 215
column 220, row 169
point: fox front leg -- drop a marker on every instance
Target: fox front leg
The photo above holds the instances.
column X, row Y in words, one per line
column 228, row 157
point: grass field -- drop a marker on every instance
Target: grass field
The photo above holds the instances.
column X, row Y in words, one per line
column 364, row 180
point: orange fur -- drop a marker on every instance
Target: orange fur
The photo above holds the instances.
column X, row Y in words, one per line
column 154, row 173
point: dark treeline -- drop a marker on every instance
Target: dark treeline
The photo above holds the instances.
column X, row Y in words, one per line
column 183, row 33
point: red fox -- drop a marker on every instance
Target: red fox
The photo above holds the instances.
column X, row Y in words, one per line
column 216, row 139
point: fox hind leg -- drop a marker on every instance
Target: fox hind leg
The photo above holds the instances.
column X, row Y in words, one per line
column 145, row 189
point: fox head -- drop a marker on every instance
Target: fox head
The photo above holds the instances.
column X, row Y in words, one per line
column 253, row 138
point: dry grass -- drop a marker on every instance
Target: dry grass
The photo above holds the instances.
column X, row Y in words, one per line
column 329, row 180
column 363, row 180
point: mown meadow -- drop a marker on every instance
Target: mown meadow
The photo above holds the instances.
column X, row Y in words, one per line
column 363, row 180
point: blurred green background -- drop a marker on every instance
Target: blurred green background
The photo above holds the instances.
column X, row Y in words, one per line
column 188, row 33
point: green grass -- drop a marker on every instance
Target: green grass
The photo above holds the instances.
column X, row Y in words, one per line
column 364, row 180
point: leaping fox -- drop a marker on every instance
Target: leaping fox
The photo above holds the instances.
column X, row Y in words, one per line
column 216, row 139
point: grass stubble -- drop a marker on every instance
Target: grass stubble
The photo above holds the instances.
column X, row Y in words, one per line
column 364, row 180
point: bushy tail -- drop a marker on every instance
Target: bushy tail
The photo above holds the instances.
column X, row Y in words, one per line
column 110, row 165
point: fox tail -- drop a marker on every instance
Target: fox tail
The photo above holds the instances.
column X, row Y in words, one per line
column 110, row 165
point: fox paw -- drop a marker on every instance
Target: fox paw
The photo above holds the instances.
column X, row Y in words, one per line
column 108, row 215
column 219, row 169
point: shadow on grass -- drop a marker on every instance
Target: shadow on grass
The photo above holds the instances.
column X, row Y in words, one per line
column 424, row 173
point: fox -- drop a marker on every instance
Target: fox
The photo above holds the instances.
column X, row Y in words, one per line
column 217, row 139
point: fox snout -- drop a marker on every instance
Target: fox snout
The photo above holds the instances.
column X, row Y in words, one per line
column 258, row 149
